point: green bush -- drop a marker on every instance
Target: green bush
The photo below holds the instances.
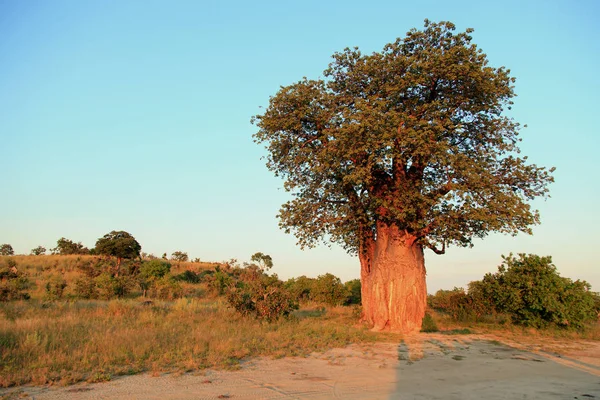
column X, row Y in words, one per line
column 530, row 290
column 260, row 295
column 456, row 303
column 188, row 276
column 300, row 288
column 165, row 288
column 428, row 324
column 353, row 288
column 329, row 289
column 154, row 269
column 220, row 280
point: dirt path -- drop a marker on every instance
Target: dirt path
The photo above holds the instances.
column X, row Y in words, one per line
column 422, row 367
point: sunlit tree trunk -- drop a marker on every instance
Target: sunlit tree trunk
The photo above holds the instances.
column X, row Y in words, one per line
column 394, row 291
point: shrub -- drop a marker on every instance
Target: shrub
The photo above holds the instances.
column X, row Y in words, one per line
column 188, row 276
column 261, row 295
column 55, row 287
column 531, row 291
column 154, row 269
column 220, row 281
column 13, row 283
column 300, row 288
column 93, row 267
column 456, row 303
column 353, row 288
column 428, row 324
column 329, row 289
column 85, row 288
column 108, row 286
column 165, row 288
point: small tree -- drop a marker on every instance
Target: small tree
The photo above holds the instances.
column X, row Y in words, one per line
column 66, row 247
column 179, row 256
column 38, row 251
column 6, row 250
column 263, row 261
column 118, row 244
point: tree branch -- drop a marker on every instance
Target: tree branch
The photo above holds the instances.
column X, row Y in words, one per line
column 436, row 250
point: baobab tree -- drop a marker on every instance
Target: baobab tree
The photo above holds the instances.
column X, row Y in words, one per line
column 400, row 151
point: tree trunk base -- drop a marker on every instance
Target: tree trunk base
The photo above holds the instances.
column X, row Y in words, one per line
column 394, row 291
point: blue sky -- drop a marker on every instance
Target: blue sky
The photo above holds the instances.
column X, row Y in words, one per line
column 135, row 115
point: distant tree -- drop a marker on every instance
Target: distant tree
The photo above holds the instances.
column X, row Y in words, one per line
column 329, row 289
column 38, row 251
column 399, row 151
column 118, row 244
column 179, row 256
column 66, row 247
column 6, row 250
column 263, row 261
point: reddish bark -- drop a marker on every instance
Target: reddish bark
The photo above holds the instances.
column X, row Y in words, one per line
column 394, row 291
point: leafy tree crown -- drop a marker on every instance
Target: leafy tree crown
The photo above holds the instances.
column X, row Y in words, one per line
column 118, row 244
column 6, row 250
column 413, row 137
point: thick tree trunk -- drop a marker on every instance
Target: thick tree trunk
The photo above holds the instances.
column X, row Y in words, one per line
column 394, row 292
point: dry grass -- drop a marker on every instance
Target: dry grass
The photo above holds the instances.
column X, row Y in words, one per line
column 503, row 327
column 67, row 342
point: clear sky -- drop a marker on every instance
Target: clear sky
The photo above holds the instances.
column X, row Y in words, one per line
column 135, row 116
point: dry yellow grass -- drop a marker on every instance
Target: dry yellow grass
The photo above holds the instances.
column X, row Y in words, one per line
column 66, row 342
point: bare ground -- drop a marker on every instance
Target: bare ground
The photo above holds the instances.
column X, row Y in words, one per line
column 425, row 366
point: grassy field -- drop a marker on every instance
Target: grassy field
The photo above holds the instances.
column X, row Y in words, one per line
column 71, row 340
column 67, row 342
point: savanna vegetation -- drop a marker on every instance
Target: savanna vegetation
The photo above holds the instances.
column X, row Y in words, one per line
column 111, row 310
column 66, row 318
column 527, row 291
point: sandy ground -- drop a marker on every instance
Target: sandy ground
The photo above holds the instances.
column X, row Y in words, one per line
column 426, row 366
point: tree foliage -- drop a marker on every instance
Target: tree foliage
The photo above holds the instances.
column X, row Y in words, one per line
column 38, row 251
column 6, row 250
column 119, row 244
column 413, row 137
column 179, row 256
column 264, row 261
column 527, row 289
column 66, row 247
column 532, row 292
